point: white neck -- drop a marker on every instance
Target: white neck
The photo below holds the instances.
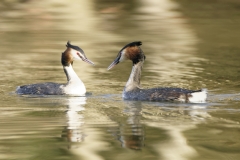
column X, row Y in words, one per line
column 74, row 84
column 70, row 73
column 134, row 79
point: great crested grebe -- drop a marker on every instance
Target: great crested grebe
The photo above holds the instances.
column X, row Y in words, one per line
column 132, row 90
column 74, row 85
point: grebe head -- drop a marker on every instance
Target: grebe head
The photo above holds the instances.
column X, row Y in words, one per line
column 73, row 53
column 131, row 51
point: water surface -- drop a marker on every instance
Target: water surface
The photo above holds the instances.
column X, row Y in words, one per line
column 188, row 44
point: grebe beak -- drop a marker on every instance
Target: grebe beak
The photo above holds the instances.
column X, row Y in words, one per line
column 83, row 57
column 88, row 61
column 114, row 63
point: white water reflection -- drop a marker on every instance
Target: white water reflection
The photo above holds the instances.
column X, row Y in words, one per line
column 175, row 124
column 84, row 141
column 176, row 147
column 75, row 120
column 199, row 112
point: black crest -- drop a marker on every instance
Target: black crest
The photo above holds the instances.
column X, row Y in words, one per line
column 136, row 43
column 74, row 47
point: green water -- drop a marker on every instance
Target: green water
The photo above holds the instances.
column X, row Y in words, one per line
column 188, row 43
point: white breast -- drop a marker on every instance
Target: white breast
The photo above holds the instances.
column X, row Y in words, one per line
column 198, row 97
column 74, row 89
column 74, row 85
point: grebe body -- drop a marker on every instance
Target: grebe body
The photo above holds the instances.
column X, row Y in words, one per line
column 133, row 91
column 74, row 85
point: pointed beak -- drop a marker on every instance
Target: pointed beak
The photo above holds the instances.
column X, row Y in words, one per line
column 114, row 63
column 84, row 58
column 88, row 61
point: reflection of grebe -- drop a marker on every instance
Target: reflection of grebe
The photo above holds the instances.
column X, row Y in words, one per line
column 75, row 120
column 132, row 90
column 74, row 86
column 132, row 134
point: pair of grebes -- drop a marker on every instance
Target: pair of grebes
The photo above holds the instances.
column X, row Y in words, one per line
column 132, row 90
